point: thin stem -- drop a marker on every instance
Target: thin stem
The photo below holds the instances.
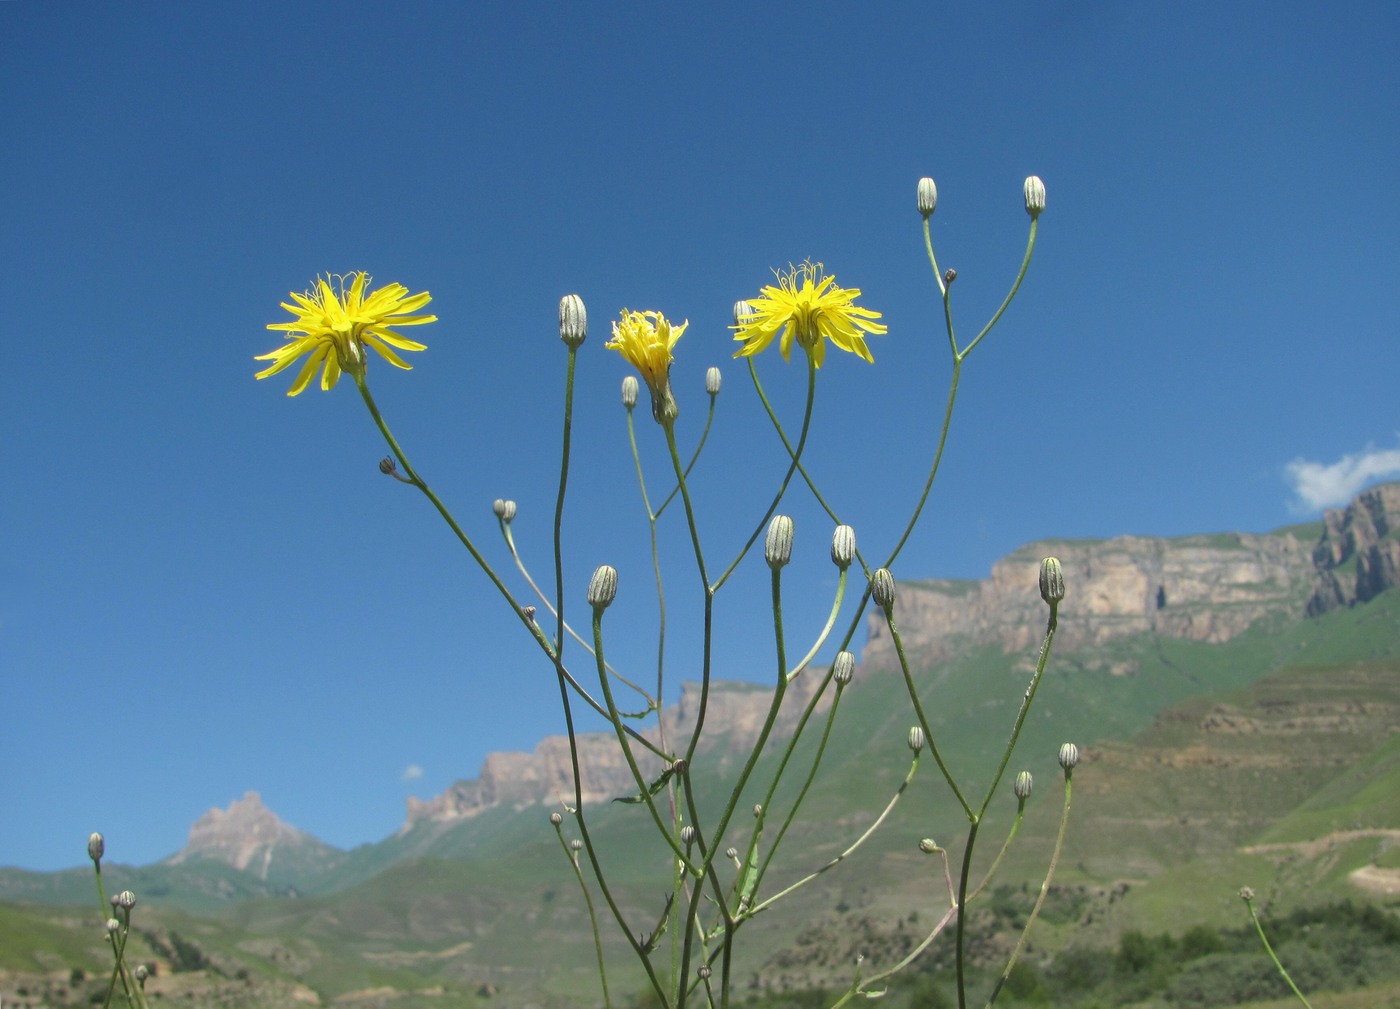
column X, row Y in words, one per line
column 559, row 504
column 1026, row 701
column 923, row 718
column 1021, row 275
column 592, row 914
column 1258, row 927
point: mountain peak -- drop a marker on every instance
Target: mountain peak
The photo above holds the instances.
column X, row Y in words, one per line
column 248, row 836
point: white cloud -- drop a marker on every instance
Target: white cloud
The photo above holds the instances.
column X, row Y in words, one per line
column 1318, row 485
column 412, row 772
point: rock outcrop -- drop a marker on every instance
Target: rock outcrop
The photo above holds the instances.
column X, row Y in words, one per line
column 734, row 718
column 250, row 837
column 1203, row 588
column 1358, row 556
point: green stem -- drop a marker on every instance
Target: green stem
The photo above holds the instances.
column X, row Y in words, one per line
column 1258, row 927
column 559, row 504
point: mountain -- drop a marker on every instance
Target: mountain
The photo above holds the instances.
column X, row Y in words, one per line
column 1234, row 730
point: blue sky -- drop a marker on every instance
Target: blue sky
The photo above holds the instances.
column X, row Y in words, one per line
column 207, row 587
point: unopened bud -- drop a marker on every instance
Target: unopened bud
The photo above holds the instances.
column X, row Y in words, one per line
column 387, row 466
column 843, row 547
column 916, row 739
column 126, row 899
column 602, row 587
column 529, row 612
column 929, row 846
column 703, row 971
column 505, row 510
column 113, row 925
column 928, row 196
column 1022, row 785
column 629, row 391
column 556, row 818
column 96, row 847
column 949, row 275
column 777, row 547
column 573, row 320
column 712, row 381
column 576, row 844
column 687, row 834
column 882, row 589
column 142, row 972
column 1246, row 893
column 843, row 668
column 1069, row 756
column 758, row 809
column 731, row 852
column 1035, row 196
column 679, row 765
column 1052, row 580
column 742, row 311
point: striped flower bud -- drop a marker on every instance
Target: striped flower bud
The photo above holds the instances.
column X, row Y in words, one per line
column 742, row 310
column 629, row 391
column 843, row 547
column 505, row 510
column 1022, row 785
column 573, row 320
column 556, row 818
column 777, row 546
column 843, row 668
column 602, row 587
column 928, row 846
column 687, row 834
column 928, row 196
column 576, row 844
column 96, row 847
column 1052, row 580
column 1035, row 196
column 916, row 739
column 712, row 381
column 882, row 589
column 126, row 899
column 1069, row 756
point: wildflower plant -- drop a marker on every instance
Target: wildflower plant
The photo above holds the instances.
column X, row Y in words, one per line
column 722, row 851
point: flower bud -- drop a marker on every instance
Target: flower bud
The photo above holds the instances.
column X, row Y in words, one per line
column 1069, row 756
column 758, row 809
column 1035, row 196
column 505, row 510
column 928, row 196
column 96, row 847
column 882, row 589
column 141, row 972
column 678, row 766
column 712, row 381
column 576, row 844
column 777, row 546
column 703, row 971
column 742, row 311
column 602, row 587
column 529, row 612
column 126, row 899
column 843, row 668
column 928, row 846
column 949, row 275
column 629, row 391
column 916, row 738
column 731, row 852
column 113, row 925
column 687, row 834
column 843, row 547
column 573, row 320
column 1052, row 581
column 1022, row 785
column 556, row 818
column 1246, row 893
column 387, row 466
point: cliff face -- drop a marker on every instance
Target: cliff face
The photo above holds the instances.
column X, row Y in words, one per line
column 1358, row 556
column 1204, row 588
column 250, row 837
column 545, row 777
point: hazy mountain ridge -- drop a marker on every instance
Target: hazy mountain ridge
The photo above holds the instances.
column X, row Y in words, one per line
column 1206, row 588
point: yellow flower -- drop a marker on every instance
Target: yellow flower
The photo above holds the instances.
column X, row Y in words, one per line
column 334, row 327
column 646, row 340
column 807, row 306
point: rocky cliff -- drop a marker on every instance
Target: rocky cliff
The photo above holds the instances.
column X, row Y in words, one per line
column 1358, row 556
column 1202, row 588
column 733, row 718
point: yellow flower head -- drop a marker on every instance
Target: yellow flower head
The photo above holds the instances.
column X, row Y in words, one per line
column 809, row 307
column 646, row 340
column 334, row 327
